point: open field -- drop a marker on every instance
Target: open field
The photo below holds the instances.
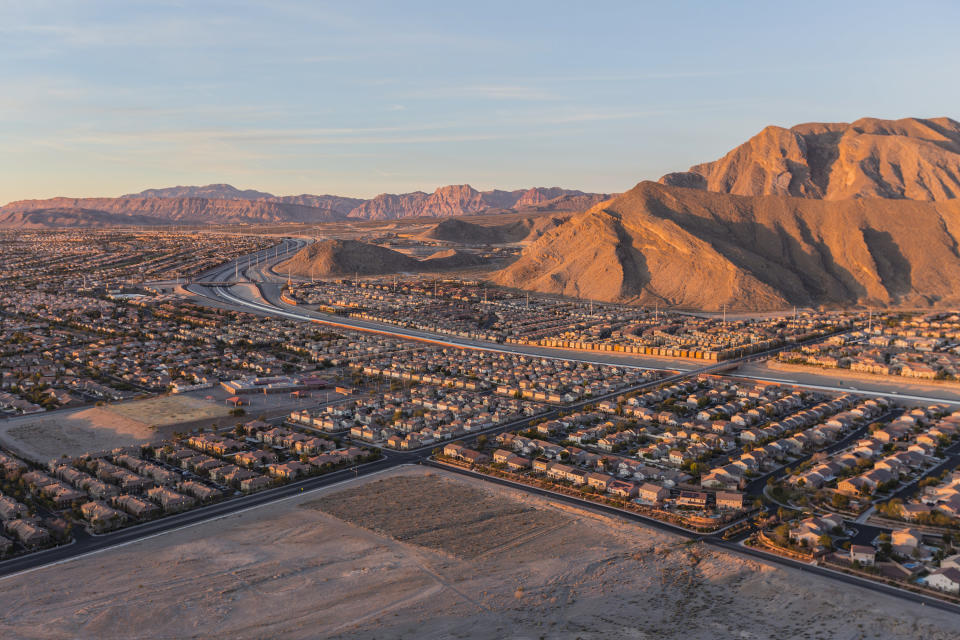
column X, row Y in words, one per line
column 459, row 519
column 931, row 386
column 164, row 411
column 44, row 436
column 291, row 570
column 892, row 385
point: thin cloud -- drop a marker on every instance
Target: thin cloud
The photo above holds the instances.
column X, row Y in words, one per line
column 488, row 92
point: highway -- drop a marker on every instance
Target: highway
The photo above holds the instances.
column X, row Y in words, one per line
column 269, row 285
column 269, row 305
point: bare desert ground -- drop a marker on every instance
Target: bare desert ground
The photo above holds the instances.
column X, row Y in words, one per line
column 44, row 436
column 431, row 561
column 164, row 411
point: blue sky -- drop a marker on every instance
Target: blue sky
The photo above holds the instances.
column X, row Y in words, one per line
column 359, row 98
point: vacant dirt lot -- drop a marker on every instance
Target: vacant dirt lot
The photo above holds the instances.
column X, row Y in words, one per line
column 291, row 570
column 164, row 411
column 42, row 437
column 456, row 518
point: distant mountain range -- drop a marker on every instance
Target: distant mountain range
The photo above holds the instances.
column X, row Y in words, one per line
column 819, row 214
column 223, row 203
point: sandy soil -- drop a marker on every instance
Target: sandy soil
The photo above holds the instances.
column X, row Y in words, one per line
column 893, row 385
column 44, row 436
column 291, row 570
column 170, row 410
column 836, row 372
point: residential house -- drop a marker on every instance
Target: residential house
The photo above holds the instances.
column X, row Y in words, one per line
column 864, row 554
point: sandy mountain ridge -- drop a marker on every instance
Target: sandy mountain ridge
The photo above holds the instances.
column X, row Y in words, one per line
column 819, row 214
column 695, row 249
column 913, row 159
column 350, row 257
column 221, row 203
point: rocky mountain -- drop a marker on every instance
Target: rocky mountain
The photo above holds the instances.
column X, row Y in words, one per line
column 210, row 192
column 452, row 200
column 349, row 257
column 460, row 199
column 178, row 210
column 696, row 249
column 223, row 203
column 913, row 158
column 539, row 195
column 388, row 206
column 338, row 206
column 69, row 218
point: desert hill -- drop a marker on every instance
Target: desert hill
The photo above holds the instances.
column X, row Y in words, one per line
column 451, row 259
column 567, row 203
column 463, row 232
column 693, row 248
column 349, row 257
column 913, row 158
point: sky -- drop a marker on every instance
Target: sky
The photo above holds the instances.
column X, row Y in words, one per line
column 102, row 98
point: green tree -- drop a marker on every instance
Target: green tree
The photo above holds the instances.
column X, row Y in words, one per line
column 782, row 535
column 840, row 501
